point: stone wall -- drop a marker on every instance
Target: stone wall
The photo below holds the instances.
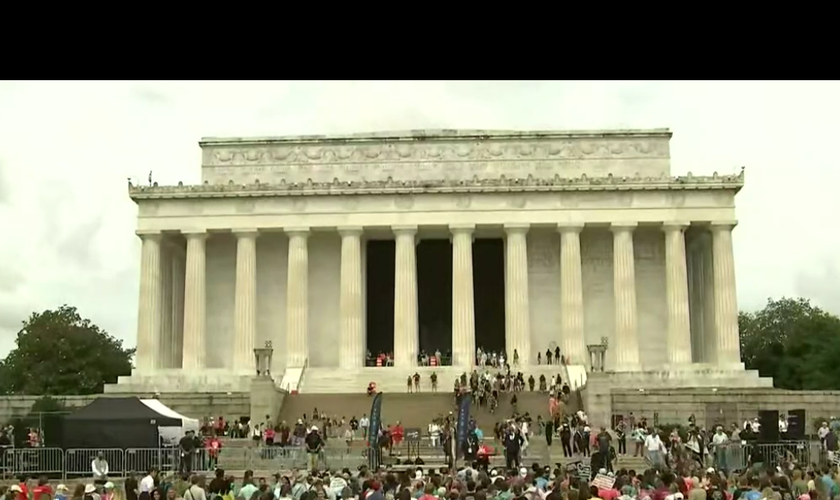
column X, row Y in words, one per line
column 711, row 406
column 191, row 405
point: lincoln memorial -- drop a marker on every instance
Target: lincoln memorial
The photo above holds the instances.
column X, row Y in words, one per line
column 330, row 247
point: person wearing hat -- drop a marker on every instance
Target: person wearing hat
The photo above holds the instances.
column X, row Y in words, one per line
column 314, row 445
column 61, row 492
column 108, row 491
column 90, row 492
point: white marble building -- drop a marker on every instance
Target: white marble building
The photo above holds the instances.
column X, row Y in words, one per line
column 600, row 240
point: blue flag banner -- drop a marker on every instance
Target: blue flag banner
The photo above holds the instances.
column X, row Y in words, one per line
column 374, row 450
column 463, row 421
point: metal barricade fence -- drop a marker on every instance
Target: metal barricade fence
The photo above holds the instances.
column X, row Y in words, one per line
column 141, row 460
column 79, row 462
column 740, row 456
column 34, row 461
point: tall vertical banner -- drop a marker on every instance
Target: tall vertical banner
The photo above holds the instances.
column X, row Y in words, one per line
column 374, row 450
column 463, row 422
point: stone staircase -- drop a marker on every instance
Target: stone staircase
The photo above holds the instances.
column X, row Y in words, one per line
column 413, row 410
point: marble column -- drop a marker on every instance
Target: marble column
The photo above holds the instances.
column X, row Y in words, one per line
column 626, row 344
column 176, row 350
column 726, row 300
column 517, row 309
column 151, row 300
column 195, row 303
column 573, row 343
column 297, row 298
column 406, row 341
column 245, row 302
column 352, row 351
column 463, row 303
column 167, row 333
column 676, row 284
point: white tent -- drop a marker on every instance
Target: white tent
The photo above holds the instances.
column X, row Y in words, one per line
column 171, row 435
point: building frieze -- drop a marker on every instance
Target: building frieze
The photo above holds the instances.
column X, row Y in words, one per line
column 479, row 146
column 476, row 185
column 430, row 155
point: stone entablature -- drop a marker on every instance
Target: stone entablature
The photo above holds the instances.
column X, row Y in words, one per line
column 502, row 184
column 430, row 154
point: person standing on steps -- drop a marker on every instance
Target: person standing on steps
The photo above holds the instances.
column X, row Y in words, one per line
column 549, row 431
column 566, row 440
column 548, row 356
column 364, row 422
column 433, row 378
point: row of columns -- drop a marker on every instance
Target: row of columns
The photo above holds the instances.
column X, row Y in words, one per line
column 173, row 298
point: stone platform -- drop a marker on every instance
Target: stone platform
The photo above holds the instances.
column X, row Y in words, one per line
column 174, row 380
column 598, row 392
column 393, row 379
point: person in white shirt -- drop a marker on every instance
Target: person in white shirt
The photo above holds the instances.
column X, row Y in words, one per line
column 654, row 446
column 822, row 432
column 196, row 489
column 364, row 422
column 147, row 484
column 756, row 425
column 783, row 427
column 434, row 434
column 99, row 466
column 719, row 441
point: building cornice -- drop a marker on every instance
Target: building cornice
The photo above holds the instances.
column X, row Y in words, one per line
column 688, row 182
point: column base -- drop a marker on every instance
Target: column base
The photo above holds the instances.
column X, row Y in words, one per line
column 176, row 380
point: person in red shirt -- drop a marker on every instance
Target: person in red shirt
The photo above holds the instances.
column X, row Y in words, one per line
column 43, row 488
column 213, row 446
column 269, row 436
column 397, row 434
column 21, row 490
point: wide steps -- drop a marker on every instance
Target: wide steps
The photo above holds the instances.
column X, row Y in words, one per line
column 412, row 410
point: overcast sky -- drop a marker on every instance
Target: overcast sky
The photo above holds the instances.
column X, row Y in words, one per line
column 66, row 149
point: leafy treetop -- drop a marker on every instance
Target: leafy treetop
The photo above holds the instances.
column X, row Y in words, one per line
column 60, row 353
column 794, row 342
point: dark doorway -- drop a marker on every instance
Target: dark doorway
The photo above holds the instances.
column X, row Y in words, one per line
column 489, row 294
column 380, row 296
column 434, row 297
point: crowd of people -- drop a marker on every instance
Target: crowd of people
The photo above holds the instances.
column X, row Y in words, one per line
column 471, row 481
column 483, row 358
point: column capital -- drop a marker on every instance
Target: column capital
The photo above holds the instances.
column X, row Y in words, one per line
column 570, row 227
column 409, row 230
column 620, row 227
column 301, row 231
column 461, row 228
column 723, row 225
column 195, row 234
column 246, row 233
column 517, row 228
column 146, row 234
column 674, row 226
column 350, row 231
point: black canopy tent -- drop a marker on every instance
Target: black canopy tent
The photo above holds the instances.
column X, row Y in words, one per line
column 115, row 423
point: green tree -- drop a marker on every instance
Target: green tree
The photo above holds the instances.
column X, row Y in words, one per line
column 60, row 353
column 794, row 342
